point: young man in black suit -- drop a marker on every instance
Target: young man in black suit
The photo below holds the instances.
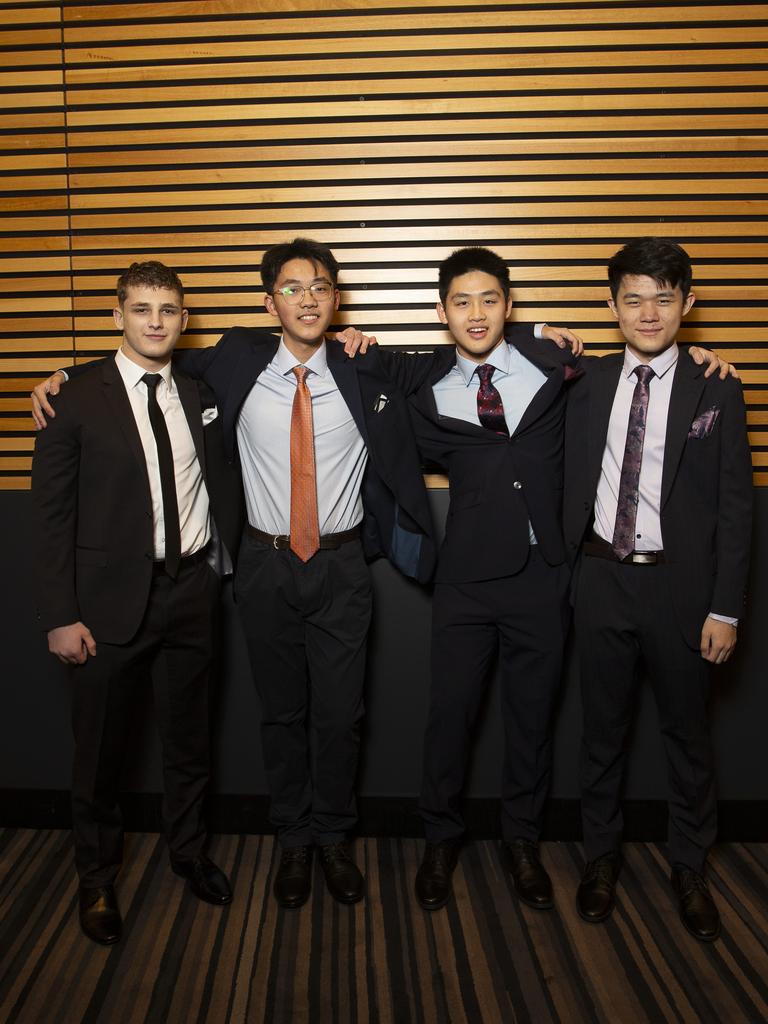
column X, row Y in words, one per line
column 658, row 506
column 491, row 414
column 121, row 508
column 302, row 583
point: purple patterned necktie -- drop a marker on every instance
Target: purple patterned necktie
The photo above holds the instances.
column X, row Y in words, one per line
column 626, row 508
column 490, row 410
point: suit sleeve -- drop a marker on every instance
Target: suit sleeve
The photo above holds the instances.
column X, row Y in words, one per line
column 734, row 525
column 55, row 470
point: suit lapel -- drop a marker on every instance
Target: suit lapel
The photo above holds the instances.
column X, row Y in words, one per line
column 120, row 405
column 189, row 396
column 607, row 372
column 687, row 387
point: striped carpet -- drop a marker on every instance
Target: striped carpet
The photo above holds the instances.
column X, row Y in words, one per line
column 482, row 959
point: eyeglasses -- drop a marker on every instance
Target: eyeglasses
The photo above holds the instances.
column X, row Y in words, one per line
column 294, row 293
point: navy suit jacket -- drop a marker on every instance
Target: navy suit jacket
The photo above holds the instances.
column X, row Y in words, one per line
column 706, row 494
column 397, row 521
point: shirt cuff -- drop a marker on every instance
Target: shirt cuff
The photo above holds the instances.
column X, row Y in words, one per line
column 538, row 331
column 724, row 618
column 65, row 375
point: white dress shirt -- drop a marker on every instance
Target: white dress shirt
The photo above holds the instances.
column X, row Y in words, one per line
column 191, row 492
column 648, row 536
column 515, row 378
column 264, row 444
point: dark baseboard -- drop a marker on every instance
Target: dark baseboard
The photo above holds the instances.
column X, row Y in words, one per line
column 644, row 820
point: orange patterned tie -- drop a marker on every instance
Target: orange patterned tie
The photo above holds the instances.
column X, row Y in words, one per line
column 305, row 532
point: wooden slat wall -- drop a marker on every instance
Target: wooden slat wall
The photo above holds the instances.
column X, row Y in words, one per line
column 200, row 132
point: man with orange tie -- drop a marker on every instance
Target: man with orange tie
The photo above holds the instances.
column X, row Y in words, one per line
column 332, row 479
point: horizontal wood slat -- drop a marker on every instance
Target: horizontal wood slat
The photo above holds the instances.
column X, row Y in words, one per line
column 201, row 132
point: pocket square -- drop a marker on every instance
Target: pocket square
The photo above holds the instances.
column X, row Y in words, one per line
column 209, row 415
column 380, row 402
column 703, row 425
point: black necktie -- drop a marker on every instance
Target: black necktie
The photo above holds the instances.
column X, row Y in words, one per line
column 167, row 476
column 490, row 409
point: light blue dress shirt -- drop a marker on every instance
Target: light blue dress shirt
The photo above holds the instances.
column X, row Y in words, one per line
column 264, row 443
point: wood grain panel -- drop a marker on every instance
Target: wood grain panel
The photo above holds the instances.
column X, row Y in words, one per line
column 199, row 133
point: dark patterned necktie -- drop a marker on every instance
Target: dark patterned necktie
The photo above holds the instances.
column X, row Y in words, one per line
column 626, row 508
column 167, row 476
column 490, row 410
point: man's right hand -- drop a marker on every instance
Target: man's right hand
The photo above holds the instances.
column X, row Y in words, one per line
column 72, row 644
column 41, row 407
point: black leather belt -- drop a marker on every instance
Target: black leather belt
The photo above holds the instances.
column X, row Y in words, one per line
column 158, row 568
column 599, row 548
column 282, row 542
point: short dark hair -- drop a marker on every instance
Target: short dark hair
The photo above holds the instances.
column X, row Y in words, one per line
column 474, row 257
column 659, row 258
column 299, row 249
column 149, row 274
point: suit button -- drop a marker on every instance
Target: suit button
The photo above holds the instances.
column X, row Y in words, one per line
column 517, row 485
column 149, row 554
column 586, row 506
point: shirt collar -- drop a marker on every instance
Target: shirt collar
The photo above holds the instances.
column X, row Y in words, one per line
column 500, row 358
column 132, row 373
column 660, row 364
column 285, row 361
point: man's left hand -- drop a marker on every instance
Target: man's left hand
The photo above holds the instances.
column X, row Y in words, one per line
column 715, row 363
column 718, row 640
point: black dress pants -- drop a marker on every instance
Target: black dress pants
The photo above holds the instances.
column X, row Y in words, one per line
column 175, row 640
column 306, row 626
column 624, row 617
column 521, row 621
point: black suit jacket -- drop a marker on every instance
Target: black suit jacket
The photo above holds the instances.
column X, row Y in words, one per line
column 497, row 483
column 94, row 547
column 706, row 496
column 397, row 521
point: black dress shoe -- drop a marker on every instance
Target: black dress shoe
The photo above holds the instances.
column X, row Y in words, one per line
column 99, row 917
column 697, row 908
column 433, row 879
column 206, row 881
column 293, row 881
column 344, row 881
column 532, row 883
column 596, row 897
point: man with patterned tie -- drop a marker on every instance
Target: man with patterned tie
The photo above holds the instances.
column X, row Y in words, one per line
column 658, row 504
column 120, row 483
column 492, row 415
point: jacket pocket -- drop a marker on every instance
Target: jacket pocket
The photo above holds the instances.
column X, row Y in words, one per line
column 90, row 556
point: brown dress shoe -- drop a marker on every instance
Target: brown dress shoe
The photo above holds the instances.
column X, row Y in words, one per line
column 99, row 917
column 697, row 908
column 596, row 897
column 532, row 883
column 293, row 881
column 433, row 879
column 207, row 882
column 342, row 875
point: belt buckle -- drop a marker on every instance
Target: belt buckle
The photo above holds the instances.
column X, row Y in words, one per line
column 644, row 558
